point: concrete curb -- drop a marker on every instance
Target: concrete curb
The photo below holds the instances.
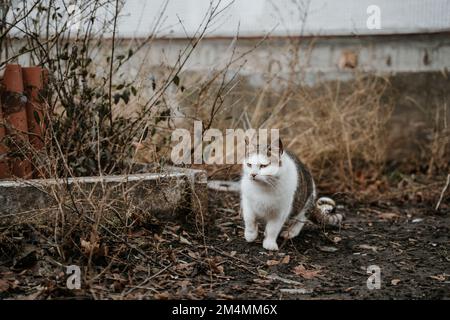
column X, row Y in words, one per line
column 171, row 193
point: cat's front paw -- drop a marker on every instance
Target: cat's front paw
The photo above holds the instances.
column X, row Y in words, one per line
column 270, row 245
column 250, row 235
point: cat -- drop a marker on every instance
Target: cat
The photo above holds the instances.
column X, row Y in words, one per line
column 274, row 191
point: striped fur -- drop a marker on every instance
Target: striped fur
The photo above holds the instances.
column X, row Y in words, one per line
column 306, row 207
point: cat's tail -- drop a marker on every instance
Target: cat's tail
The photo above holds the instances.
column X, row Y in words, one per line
column 325, row 212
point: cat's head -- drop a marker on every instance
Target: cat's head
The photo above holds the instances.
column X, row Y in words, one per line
column 262, row 162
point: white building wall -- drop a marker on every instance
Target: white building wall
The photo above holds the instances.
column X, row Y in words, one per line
column 285, row 17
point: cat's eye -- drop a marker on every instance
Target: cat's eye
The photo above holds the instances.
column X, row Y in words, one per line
column 249, row 165
column 263, row 166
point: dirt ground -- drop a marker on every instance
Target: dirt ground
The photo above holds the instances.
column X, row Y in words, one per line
column 409, row 241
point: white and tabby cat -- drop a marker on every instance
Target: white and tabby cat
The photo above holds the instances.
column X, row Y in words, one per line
column 277, row 191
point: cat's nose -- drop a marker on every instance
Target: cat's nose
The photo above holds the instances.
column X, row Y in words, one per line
column 253, row 175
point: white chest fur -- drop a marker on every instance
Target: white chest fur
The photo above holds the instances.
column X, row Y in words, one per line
column 267, row 200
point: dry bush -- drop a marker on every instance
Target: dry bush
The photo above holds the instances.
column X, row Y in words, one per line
column 439, row 148
column 337, row 129
column 87, row 132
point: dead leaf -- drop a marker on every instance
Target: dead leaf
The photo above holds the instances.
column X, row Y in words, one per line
column 4, row 285
column 193, row 255
column 368, row 247
column 185, row 283
column 183, row 240
column 92, row 246
column 272, row 262
column 162, row 296
column 200, row 291
column 388, row 216
column 183, row 266
column 262, row 273
column 395, row 282
column 217, row 269
column 439, row 277
column 220, row 270
column 301, row 271
column 286, row 259
column 262, row 281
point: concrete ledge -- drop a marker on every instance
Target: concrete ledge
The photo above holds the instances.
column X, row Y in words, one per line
column 173, row 192
column 225, row 186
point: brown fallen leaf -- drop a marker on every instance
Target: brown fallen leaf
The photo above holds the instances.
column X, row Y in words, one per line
column 162, row 296
column 272, row 262
column 395, row 282
column 183, row 240
column 301, row 271
column 388, row 216
column 215, row 267
column 193, row 255
column 4, row 285
column 184, row 266
column 262, row 273
column 200, row 291
column 286, row 259
column 89, row 247
column 262, row 281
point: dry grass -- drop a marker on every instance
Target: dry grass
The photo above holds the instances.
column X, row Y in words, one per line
column 335, row 128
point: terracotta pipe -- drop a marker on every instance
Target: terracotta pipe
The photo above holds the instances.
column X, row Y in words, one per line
column 34, row 81
column 14, row 108
column 5, row 170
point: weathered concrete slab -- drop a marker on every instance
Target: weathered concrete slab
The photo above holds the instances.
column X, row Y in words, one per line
column 224, row 186
column 169, row 193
